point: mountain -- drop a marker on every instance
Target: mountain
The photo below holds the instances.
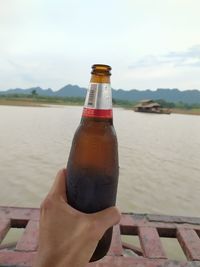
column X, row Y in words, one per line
column 40, row 91
column 71, row 90
column 68, row 90
column 169, row 95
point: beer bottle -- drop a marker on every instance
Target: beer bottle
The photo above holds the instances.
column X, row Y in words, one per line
column 92, row 169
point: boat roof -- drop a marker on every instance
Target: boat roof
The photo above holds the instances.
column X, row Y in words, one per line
column 147, row 105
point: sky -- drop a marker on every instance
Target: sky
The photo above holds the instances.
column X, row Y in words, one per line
column 149, row 44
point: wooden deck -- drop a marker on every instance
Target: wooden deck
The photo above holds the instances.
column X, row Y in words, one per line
column 149, row 229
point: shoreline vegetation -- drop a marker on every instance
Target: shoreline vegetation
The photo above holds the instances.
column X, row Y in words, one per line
column 34, row 100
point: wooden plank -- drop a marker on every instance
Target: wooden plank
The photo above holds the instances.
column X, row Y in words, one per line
column 116, row 243
column 170, row 226
column 146, row 218
column 190, row 243
column 4, row 228
column 150, row 243
column 126, row 220
column 29, row 239
column 16, row 259
column 135, row 262
column 173, row 219
column 22, row 259
column 131, row 221
column 147, row 226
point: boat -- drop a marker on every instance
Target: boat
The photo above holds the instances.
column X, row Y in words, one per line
column 149, row 106
column 149, row 228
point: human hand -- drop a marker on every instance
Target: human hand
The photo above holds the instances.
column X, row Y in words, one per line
column 67, row 237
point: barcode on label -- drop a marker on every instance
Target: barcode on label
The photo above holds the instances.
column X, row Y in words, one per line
column 92, row 94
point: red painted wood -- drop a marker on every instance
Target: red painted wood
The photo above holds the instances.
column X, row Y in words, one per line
column 126, row 220
column 116, row 243
column 150, row 243
column 147, row 226
column 23, row 259
column 190, row 243
column 137, row 262
column 4, row 227
column 20, row 259
column 166, row 225
column 29, row 239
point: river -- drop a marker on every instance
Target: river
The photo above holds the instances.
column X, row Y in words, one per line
column 159, row 157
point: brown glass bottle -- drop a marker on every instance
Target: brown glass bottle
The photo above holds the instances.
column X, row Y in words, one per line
column 92, row 169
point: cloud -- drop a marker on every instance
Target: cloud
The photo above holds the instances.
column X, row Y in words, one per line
column 188, row 58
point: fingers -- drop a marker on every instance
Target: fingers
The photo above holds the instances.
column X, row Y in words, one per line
column 58, row 188
column 107, row 218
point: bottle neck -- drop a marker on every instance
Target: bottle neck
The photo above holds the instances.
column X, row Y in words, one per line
column 100, row 78
column 98, row 102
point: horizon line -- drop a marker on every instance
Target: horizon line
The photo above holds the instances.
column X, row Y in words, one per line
column 148, row 89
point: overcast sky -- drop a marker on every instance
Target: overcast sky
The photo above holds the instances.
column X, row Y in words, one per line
column 149, row 43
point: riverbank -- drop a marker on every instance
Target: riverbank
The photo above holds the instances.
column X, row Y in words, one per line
column 46, row 102
column 36, row 102
column 19, row 102
column 194, row 111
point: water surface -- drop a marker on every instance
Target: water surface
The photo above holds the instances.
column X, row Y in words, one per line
column 159, row 157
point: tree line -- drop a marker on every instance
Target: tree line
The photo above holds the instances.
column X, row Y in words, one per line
column 33, row 96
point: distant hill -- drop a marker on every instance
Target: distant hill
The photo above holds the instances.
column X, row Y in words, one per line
column 169, row 95
column 40, row 91
column 71, row 90
column 68, row 90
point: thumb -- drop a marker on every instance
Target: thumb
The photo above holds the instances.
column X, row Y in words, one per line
column 59, row 188
column 107, row 218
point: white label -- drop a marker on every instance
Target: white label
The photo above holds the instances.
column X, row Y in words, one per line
column 99, row 96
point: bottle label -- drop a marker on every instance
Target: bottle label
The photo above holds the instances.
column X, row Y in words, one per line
column 98, row 102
